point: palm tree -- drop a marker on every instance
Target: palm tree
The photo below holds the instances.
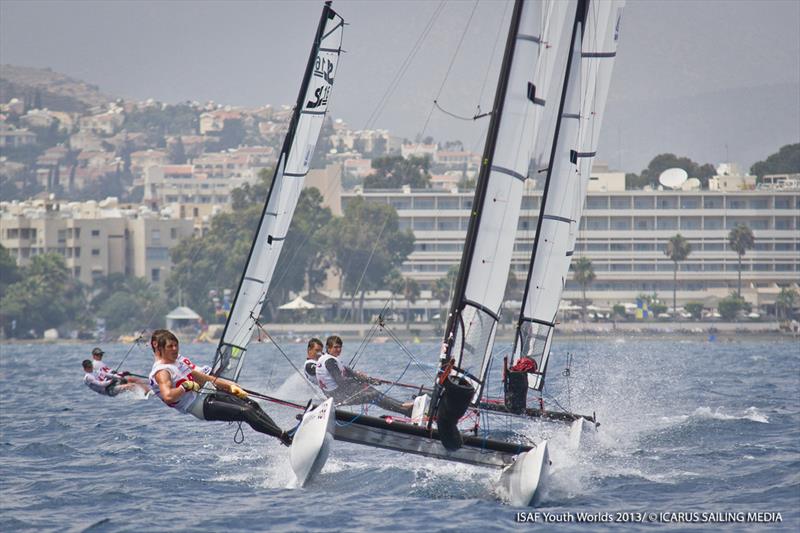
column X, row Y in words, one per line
column 741, row 239
column 785, row 302
column 583, row 274
column 677, row 250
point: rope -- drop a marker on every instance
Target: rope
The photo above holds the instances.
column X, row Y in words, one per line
column 302, row 374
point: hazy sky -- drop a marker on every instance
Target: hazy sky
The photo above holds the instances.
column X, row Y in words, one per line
column 698, row 78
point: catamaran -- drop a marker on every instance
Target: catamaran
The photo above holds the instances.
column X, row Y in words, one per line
column 567, row 179
column 290, row 171
column 545, row 43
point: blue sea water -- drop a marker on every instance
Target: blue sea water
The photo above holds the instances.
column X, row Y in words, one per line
column 687, row 427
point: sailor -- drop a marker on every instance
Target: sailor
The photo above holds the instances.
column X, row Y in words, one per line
column 107, row 385
column 103, row 371
column 177, row 382
column 313, row 352
column 349, row 387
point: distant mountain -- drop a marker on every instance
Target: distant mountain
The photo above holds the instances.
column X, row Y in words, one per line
column 55, row 91
column 753, row 122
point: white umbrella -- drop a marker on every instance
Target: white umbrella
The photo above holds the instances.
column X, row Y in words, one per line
column 298, row 303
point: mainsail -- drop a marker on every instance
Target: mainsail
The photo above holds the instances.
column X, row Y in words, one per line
column 587, row 82
column 287, row 182
column 517, row 118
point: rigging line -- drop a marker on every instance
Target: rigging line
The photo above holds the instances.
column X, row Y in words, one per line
column 447, row 73
column 392, row 86
column 136, row 342
column 494, row 49
column 408, row 352
column 459, row 117
column 305, row 379
column 364, row 341
column 369, row 260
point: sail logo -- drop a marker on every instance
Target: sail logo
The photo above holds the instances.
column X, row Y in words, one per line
column 323, row 68
column 321, row 95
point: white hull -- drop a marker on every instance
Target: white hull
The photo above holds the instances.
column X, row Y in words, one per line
column 523, row 482
column 580, row 431
column 311, row 443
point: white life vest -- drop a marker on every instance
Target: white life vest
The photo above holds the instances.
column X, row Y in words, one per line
column 96, row 384
column 179, row 372
column 324, row 378
column 101, row 370
column 310, row 369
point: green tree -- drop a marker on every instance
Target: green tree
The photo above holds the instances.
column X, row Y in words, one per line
column 392, row 172
column 45, row 297
column 176, row 151
column 409, row 288
column 367, row 247
column 584, row 274
column 216, row 260
column 730, row 306
column 127, row 303
column 9, row 272
column 695, row 309
column 678, row 249
column 787, row 159
column 741, row 239
column 785, row 302
column 443, row 287
column 662, row 162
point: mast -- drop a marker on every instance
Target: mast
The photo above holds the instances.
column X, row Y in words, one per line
column 287, row 182
column 593, row 48
column 515, row 123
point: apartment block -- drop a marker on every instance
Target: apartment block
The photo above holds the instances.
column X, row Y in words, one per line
column 95, row 238
column 624, row 234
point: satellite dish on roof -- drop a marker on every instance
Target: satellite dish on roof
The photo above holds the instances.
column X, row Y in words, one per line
column 692, row 184
column 673, row 178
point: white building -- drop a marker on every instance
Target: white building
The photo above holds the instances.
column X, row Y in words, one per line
column 95, row 238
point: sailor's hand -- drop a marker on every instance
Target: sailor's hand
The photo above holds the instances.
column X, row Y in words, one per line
column 124, row 373
column 238, row 392
column 191, row 386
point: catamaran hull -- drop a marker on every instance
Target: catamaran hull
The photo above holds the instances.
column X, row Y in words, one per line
column 409, row 438
column 523, row 482
column 580, row 431
column 311, row 444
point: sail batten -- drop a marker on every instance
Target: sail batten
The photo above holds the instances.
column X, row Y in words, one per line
column 290, row 170
column 575, row 145
column 517, row 119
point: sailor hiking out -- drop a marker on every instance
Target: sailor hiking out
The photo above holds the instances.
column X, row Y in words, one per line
column 177, row 382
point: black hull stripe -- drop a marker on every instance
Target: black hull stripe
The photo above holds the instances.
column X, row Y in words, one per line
column 509, row 172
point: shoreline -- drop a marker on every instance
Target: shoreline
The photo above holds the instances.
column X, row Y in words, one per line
column 296, row 333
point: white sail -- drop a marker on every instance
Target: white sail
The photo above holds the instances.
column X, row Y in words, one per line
column 291, row 169
column 517, row 119
column 565, row 191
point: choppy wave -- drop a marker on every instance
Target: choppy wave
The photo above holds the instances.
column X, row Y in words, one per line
column 678, row 422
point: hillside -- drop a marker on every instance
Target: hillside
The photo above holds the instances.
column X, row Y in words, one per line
column 57, row 91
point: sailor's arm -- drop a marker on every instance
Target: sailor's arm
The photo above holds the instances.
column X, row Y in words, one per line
column 219, row 383
column 169, row 394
